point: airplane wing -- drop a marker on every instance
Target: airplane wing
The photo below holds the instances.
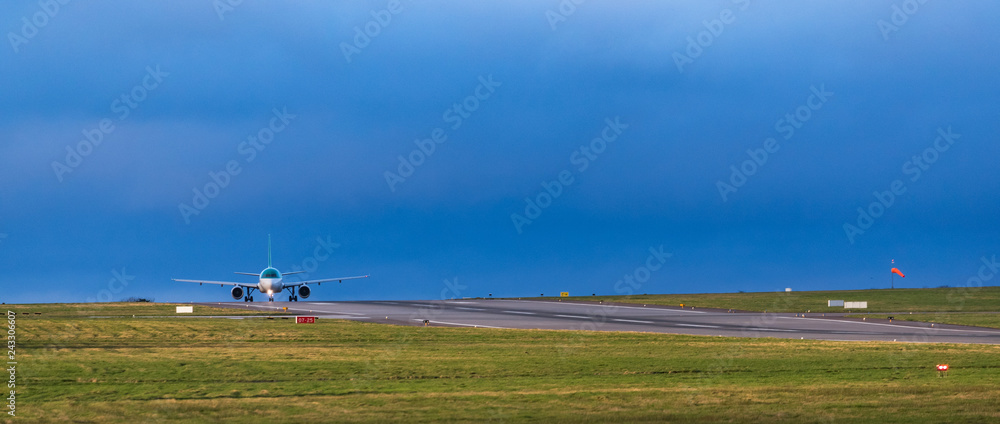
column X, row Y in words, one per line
column 326, row 280
column 221, row 283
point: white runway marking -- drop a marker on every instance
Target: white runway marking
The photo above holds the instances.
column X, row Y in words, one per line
column 632, row 320
column 470, row 309
column 460, row 324
column 572, row 316
column 897, row 326
column 313, row 311
column 609, row 306
column 699, row 326
column 519, row 312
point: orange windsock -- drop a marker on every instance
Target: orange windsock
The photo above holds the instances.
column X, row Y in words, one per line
column 898, row 272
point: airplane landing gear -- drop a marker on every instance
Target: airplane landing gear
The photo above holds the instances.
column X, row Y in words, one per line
column 291, row 294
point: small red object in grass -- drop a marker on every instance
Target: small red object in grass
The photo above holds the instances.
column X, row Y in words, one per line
column 942, row 367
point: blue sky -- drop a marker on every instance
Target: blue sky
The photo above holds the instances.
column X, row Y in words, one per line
column 841, row 96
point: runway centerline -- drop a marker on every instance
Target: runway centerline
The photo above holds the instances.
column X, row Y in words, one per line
column 591, row 316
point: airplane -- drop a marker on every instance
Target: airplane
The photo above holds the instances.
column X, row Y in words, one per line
column 270, row 282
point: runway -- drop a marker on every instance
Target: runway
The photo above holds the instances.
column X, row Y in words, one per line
column 593, row 316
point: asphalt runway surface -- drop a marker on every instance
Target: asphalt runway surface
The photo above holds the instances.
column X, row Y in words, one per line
column 593, row 316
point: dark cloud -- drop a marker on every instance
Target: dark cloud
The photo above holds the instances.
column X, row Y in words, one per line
column 323, row 175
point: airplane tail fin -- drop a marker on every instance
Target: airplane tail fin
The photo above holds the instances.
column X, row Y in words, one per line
column 268, row 250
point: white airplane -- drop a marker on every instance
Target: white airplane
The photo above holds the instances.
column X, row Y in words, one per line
column 270, row 283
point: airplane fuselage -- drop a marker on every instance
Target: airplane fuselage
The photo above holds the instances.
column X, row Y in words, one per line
column 270, row 285
column 270, row 282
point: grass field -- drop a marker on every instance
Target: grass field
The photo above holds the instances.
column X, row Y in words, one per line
column 216, row 370
column 957, row 299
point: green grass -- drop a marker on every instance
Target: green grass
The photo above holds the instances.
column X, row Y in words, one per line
column 962, row 299
column 119, row 309
column 975, row 319
column 128, row 370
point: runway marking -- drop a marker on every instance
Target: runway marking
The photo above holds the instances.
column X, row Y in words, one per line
column 572, row 316
column 460, row 324
column 469, row 309
column 313, row 311
column 699, row 326
column 768, row 329
column 520, row 312
column 904, row 327
column 632, row 320
column 610, row 306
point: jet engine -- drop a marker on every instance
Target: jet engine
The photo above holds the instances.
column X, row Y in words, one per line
column 237, row 293
column 304, row 292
